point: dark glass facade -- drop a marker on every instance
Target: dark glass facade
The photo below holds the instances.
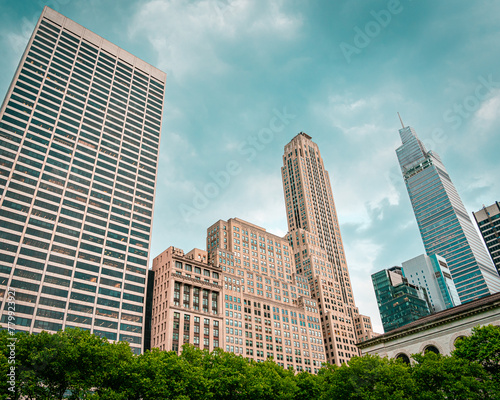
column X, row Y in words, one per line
column 399, row 302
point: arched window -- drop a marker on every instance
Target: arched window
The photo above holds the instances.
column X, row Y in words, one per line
column 432, row 349
column 457, row 340
column 404, row 357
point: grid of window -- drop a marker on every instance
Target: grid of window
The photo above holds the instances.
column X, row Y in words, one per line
column 79, row 139
column 444, row 224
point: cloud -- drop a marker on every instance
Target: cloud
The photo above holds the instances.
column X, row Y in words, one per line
column 487, row 114
column 364, row 169
column 189, row 36
column 17, row 42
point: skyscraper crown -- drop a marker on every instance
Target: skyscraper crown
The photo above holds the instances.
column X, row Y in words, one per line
column 412, row 152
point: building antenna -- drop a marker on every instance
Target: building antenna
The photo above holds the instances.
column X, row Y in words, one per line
column 401, row 120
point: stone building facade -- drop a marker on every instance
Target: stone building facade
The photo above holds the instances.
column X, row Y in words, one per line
column 436, row 332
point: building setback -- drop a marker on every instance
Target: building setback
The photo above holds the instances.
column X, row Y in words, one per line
column 444, row 224
column 279, row 317
column 318, row 252
column 488, row 221
column 433, row 274
column 79, row 139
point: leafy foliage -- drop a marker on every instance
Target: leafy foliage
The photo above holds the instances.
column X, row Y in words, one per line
column 368, row 377
column 439, row 377
column 75, row 364
column 483, row 347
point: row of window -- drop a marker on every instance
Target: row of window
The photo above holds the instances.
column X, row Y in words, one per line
column 146, row 173
column 73, row 99
column 68, row 44
column 84, row 297
column 54, row 326
column 84, row 276
column 97, row 247
column 100, row 175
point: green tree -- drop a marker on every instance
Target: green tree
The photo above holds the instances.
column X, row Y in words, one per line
column 226, row 373
column 70, row 364
column 443, row 377
column 483, row 347
column 368, row 377
column 268, row 380
column 308, row 386
column 165, row 375
column 117, row 372
column 75, row 364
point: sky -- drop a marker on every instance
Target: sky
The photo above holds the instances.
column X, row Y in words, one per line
column 337, row 70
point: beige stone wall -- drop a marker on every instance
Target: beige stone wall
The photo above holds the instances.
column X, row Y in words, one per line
column 440, row 335
column 268, row 311
column 186, row 301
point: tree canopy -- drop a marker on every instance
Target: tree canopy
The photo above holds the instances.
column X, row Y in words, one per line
column 75, row 364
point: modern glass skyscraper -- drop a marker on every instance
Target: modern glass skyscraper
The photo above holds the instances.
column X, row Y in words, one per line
column 399, row 301
column 79, row 140
column 314, row 236
column 433, row 274
column 444, row 224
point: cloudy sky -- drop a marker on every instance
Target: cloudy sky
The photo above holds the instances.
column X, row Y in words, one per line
column 337, row 70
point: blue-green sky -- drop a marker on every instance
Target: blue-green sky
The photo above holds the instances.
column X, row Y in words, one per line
column 337, row 70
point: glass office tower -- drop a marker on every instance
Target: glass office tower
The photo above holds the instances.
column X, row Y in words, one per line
column 314, row 235
column 444, row 224
column 433, row 274
column 79, row 140
column 399, row 301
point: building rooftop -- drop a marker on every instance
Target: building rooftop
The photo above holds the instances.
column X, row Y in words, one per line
column 485, row 212
column 242, row 221
column 112, row 48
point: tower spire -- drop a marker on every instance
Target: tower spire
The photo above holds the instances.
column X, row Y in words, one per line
column 401, row 121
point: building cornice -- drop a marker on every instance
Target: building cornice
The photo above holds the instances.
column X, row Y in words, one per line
column 435, row 320
column 198, row 282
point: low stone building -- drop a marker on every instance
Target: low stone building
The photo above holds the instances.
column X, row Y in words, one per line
column 435, row 332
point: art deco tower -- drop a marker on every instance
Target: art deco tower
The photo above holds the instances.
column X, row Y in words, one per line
column 79, row 140
column 445, row 225
column 314, row 235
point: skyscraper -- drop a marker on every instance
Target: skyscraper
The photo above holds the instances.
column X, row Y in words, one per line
column 79, row 132
column 433, row 274
column 444, row 224
column 488, row 221
column 314, row 236
column 399, row 302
